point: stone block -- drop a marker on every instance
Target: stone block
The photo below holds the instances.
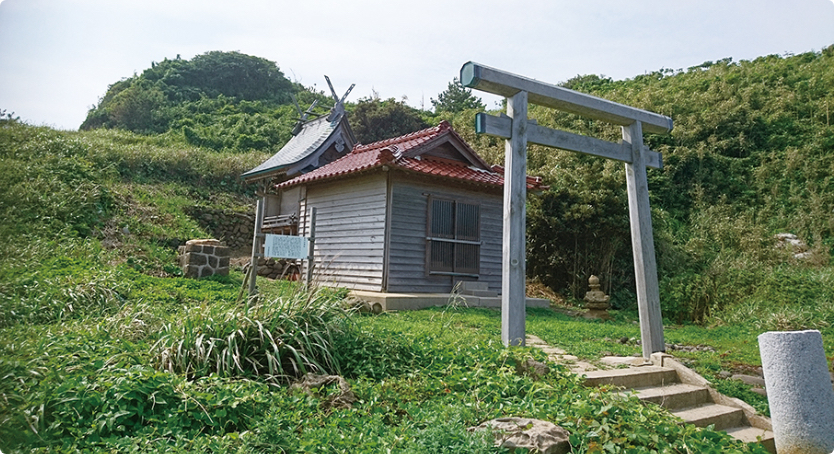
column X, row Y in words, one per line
column 196, row 259
column 799, row 391
column 193, row 248
column 213, row 261
column 206, row 271
column 204, row 242
column 532, row 434
column 749, row 379
column 192, row 272
column 208, row 250
column 222, row 251
column 223, row 262
column 222, row 271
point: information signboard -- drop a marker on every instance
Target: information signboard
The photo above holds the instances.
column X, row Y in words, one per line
column 286, row 246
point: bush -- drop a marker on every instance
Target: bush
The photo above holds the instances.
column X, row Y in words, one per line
column 279, row 338
column 563, row 252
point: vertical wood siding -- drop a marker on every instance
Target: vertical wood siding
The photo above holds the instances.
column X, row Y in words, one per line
column 350, row 231
column 407, row 248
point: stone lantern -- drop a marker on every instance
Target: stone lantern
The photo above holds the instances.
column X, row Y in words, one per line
column 596, row 299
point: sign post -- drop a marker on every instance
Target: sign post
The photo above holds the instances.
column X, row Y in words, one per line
column 256, row 247
column 281, row 246
column 517, row 131
column 311, row 260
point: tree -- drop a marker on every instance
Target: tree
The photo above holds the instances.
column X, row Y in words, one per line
column 456, row 98
column 373, row 120
column 219, row 100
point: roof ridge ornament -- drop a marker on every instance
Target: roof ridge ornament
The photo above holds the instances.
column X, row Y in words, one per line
column 339, row 106
column 302, row 116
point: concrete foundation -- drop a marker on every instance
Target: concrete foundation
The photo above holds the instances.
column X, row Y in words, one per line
column 799, row 391
column 414, row 301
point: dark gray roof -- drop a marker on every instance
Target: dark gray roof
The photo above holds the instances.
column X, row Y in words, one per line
column 310, row 139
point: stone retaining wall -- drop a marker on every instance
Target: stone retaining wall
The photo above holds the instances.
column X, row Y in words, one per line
column 279, row 268
column 234, row 228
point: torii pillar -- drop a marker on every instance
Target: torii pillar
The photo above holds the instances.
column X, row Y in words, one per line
column 517, row 132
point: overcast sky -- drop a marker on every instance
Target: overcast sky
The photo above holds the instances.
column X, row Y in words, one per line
column 57, row 57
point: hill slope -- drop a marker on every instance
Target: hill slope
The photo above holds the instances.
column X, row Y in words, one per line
column 88, row 285
column 751, row 155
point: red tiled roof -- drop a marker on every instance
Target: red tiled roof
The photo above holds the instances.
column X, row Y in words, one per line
column 390, row 152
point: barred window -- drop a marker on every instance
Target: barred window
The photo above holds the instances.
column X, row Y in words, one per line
column 454, row 237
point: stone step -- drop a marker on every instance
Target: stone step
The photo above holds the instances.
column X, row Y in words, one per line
column 691, row 401
column 487, row 302
column 722, row 416
column 481, row 293
column 749, row 434
column 633, row 377
column 467, row 286
column 675, row 396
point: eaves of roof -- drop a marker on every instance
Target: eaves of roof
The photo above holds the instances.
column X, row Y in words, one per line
column 300, row 147
column 390, row 153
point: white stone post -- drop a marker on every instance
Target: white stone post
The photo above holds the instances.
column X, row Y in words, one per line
column 799, row 391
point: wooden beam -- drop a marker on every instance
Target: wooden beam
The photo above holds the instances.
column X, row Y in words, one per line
column 540, row 135
column 256, row 247
column 642, row 244
column 311, row 250
column 491, row 80
column 513, row 262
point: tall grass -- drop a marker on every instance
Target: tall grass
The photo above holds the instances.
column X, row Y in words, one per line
column 726, row 267
column 277, row 338
column 53, row 281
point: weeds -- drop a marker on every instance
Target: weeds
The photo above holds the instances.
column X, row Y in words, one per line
column 62, row 288
column 286, row 336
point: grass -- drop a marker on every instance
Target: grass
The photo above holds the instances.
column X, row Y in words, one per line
column 423, row 377
column 273, row 338
column 103, row 347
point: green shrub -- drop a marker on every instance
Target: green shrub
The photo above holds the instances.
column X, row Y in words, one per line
column 450, row 436
column 114, row 405
column 740, row 390
column 281, row 337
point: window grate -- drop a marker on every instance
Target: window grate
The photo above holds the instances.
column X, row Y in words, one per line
column 454, row 237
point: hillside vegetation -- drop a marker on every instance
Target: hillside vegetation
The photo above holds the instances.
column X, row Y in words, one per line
column 103, row 346
column 751, row 155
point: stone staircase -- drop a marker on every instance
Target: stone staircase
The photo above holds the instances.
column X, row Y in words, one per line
column 685, row 394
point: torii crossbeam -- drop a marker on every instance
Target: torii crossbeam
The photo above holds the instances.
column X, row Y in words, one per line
column 518, row 131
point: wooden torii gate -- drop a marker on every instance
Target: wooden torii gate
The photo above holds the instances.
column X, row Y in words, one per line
column 517, row 132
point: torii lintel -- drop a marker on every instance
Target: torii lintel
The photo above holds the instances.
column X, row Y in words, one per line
column 502, row 83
